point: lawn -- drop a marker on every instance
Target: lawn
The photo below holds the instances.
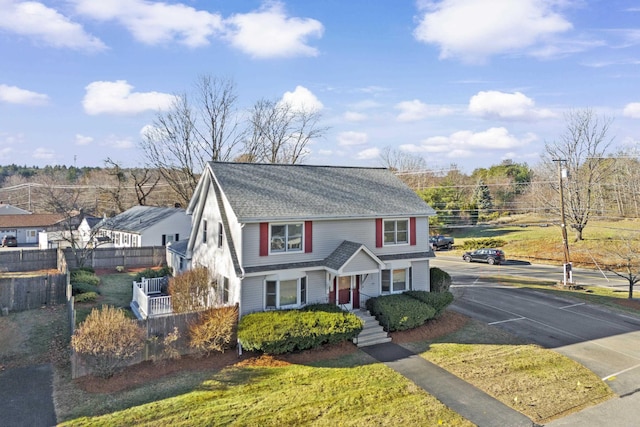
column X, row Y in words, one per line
column 115, row 290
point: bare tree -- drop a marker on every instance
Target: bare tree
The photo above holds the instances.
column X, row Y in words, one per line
column 280, row 132
column 401, row 161
column 581, row 148
column 626, row 264
column 182, row 139
column 144, row 182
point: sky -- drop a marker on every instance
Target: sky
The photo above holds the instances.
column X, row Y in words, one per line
column 469, row 83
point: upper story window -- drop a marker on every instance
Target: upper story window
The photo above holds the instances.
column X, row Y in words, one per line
column 204, row 231
column 220, row 234
column 396, row 232
column 286, row 237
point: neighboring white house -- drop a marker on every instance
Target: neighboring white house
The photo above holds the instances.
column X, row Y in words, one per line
column 282, row 236
column 146, row 226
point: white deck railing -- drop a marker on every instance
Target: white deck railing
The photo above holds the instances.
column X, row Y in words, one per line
column 148, row 298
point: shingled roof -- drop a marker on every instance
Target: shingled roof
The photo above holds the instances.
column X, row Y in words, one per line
column 139, row 218
column 30, row 220
column 259, row 192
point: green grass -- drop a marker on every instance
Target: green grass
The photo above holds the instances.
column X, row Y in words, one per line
column 115, row 290
column 342, row 393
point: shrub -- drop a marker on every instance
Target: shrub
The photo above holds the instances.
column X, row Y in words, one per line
column 150, row 273
column 82, row 288
column 190, row 290
column 488, row 242
column 399, row 312
column 119, row 268
column 83, row 276
column 277, row 332
column 163, row 348
column 85, row 269
column 214, row 330
column 438, row 300
column 107, row 338
column 440, row 280
column 86, row 297
column 328, row 308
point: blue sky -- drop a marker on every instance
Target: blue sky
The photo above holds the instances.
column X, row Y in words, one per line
column 464, row 82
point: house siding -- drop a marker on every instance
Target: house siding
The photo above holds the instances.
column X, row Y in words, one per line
column 327, row 236
column 361, row 262
column 421, row 277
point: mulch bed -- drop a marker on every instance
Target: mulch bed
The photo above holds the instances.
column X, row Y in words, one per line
column 133, row 376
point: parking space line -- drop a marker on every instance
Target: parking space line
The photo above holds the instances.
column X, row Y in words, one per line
column 620, row 372
column 508, row 320
column 572, row 305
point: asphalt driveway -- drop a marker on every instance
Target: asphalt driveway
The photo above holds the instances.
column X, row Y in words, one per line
column 26, row 397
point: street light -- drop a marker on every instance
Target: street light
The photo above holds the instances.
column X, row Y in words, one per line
column 567, row 273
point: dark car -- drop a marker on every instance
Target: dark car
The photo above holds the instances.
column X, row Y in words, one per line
column 9, row 241
column 490, row 256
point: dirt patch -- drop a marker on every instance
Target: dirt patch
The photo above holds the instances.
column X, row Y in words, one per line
column 448, row 323
column 629, row 303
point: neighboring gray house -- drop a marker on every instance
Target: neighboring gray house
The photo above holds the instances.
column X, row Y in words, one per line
column 146, row 226
column 27, row 227
column 282, row 236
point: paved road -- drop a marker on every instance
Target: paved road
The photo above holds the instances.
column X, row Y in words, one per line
column 608, row 343
column 25, row 397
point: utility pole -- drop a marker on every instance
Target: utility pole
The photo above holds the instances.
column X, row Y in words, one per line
column 567, row 273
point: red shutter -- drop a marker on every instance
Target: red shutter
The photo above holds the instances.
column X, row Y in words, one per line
column 412, row 230
column 264, row 238
column 308, row 237
column 378, row 232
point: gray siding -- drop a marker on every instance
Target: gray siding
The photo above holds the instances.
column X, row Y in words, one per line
column 252, row 289
column 421, row 277
column 361, row 262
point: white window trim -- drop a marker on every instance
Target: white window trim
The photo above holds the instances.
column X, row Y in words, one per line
column 407, row 280
column 287, row 251
column 395, row 243
column 298, row 293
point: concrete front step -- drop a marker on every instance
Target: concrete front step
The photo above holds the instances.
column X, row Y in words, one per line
column 372, row 332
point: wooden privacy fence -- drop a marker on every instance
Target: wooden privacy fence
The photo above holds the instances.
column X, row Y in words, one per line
column 26, row 293
column 110, row 258
column 28, row 260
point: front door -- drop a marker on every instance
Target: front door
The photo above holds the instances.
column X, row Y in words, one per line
column 32, row 236
column 344, row 291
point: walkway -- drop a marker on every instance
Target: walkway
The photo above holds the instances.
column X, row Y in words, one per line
column 25, row 397
column 462, row 397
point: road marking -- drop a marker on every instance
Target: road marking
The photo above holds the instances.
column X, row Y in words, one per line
column 572, row 305
column 620, row 372
column 505, row 321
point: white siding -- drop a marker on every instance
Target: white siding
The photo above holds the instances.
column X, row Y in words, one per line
column 361, row 262
column 327, row 236
column 178, row 223
column 421, row 277
column 317, row 288
column 252, row 295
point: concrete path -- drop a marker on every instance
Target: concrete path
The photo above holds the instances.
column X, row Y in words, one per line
column 26, row 397
column 462, row 397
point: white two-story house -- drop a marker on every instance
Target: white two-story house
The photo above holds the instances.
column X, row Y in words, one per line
column 282, row 236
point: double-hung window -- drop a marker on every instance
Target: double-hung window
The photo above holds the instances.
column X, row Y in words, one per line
column 396, row 231
column 397, row 280
column 285, row 293
column 204, row 231
column 286, row 237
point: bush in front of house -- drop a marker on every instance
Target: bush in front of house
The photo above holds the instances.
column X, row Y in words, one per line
column 438, row 300
column 440, row 280
column 214, row 330
column 399, row 312
column 328, row 308
column 278, row 332
column 107, row 339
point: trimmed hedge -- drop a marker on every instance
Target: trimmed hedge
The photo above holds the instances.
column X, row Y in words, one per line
column 400, row 312
column 277, row 332
column 438, row 300
column 488, row 242
column 84, row 276
column 82, row 288
column 440, row 280
column 86, row 297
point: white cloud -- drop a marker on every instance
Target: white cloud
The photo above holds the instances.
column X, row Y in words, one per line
column 116, row 98
column 6, row 153
column 466, row 143
column 83, row 140
column 46, row 25
column 411, row 111
column 302, row 99
column 43, row 154
column 501, row 105
column 15, row 95
column 354, row 116
column 352, row 138
column 368, row 154
column 269, row 33
column 325, row 152
column 119, row 143
column 472, row 31
column 632, row 110
column 156, row 22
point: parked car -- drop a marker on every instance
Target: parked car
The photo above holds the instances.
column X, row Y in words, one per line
column 490, row 256
column 9, row 241
column 440, row 242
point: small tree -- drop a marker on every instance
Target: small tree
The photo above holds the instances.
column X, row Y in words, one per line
column 627, row 261
column 107, row 338
column 214, row 330
column 191, row 290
